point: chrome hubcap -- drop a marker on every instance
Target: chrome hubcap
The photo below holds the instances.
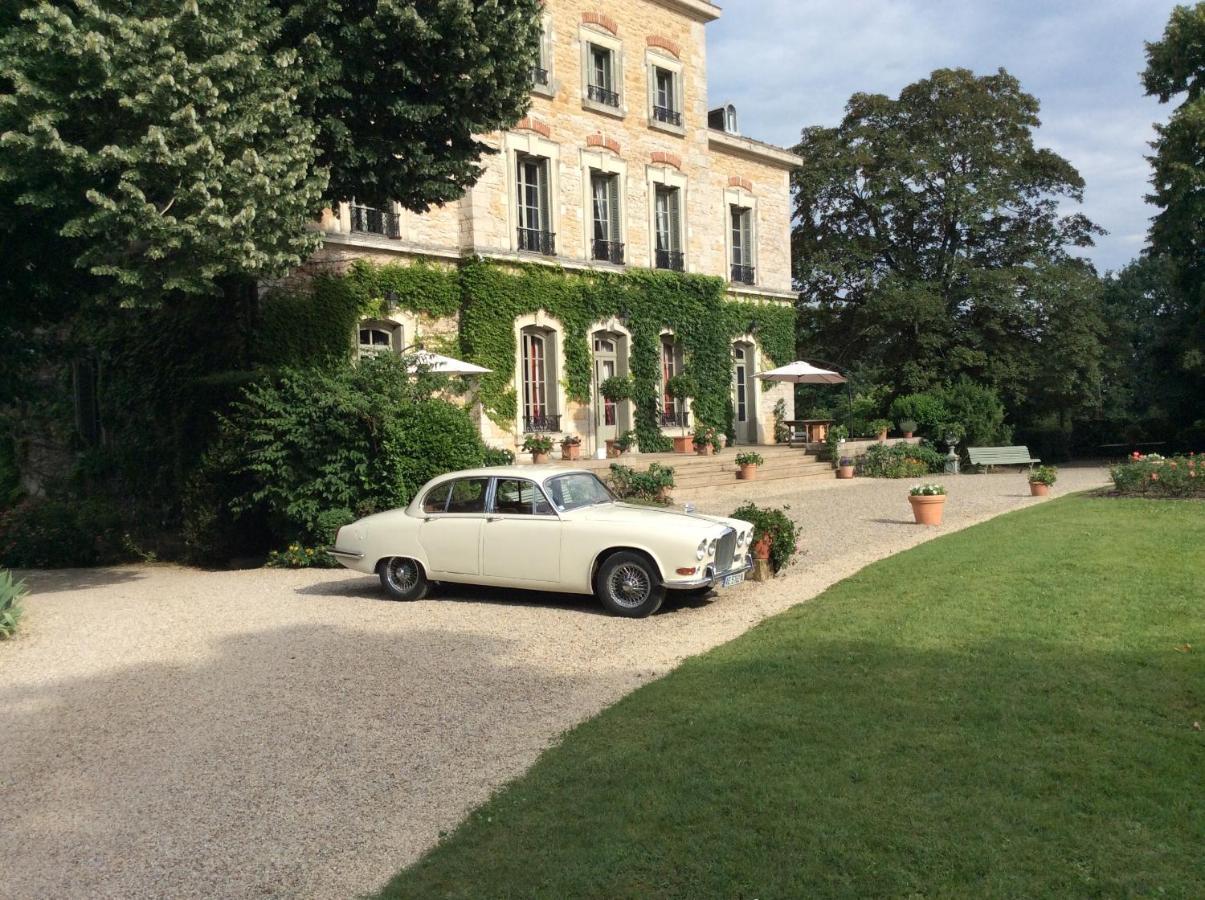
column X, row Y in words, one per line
column 629, row 586
column 402, row 574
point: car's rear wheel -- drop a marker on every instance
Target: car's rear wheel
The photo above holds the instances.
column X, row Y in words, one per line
column 403, row 578
column 628, row 585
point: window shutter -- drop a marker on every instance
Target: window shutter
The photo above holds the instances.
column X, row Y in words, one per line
column 613, row 207
column 747, row 237
column 542, row 172
column 675, row 220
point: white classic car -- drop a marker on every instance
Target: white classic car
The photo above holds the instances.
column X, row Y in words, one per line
column 545, row 528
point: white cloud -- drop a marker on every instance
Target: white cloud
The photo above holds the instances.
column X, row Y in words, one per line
column 788, row 64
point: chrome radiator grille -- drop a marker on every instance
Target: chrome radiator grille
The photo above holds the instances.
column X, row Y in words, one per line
column 725, row 551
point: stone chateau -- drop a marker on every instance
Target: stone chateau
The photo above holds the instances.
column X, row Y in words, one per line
column 623, row 161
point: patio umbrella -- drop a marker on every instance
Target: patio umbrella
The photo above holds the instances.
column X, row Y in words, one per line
column 800, row 372
column 445, row 365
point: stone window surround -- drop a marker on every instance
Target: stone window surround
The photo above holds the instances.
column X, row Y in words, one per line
column 625, row 408
column 658, row 174
column 656, row 58
column 547, row 58
column 400, row 324
column 756, row 390
column 555, row 330
column 739, row 196
column 593, row 35
column 688, row 403
column 598, row 160
column 531, row 144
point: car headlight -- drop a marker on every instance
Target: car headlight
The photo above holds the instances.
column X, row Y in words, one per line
column 702, row 550
column 711, row 548
column 740, row 539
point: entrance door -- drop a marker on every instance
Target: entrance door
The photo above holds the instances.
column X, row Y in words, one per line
column 609, row 417
column 744, row 393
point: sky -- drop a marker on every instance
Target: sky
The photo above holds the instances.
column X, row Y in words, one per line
column 787, row 64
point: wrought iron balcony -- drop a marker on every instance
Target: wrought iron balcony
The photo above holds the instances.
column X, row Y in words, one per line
column 667, row 115
column 673, row 260
column 609, row 251
column 539, row 76
column 541, row 424
column 602, row 95
column 743, row 274
column 675, row 418
column 535, row 241
column 366, row 220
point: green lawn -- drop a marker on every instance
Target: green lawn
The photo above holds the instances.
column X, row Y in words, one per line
column 1004, row 712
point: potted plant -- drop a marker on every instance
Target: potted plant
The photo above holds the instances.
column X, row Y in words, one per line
column 928, row 503
column 880, row 427
column 706, row 440
column 571, row 447
column 834, row 441
column 748, row 461
column 539, row 446
column 682, row 387
column 621, row 445
column 1042, row 479
column 775, row 536
column 908, row 427
column 845, row 467
column 616, row 389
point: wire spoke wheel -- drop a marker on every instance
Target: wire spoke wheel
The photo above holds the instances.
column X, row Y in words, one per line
column 629, row 586
column 402, row 575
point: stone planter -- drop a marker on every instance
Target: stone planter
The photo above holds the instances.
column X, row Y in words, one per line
column 882, row 437
column 705, row 450
column 539, row 458
column 613, row 450
column 928, row 510
column 845, row 471
column 684, row 444
column 748, row 473
column 1039, row 490
column 907, row 434
column 571, row 451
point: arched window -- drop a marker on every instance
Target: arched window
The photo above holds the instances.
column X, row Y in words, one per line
column 540, row 413
column 378, row 337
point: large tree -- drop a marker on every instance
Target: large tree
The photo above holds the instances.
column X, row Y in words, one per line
column 931, row 242
column 1176, row 69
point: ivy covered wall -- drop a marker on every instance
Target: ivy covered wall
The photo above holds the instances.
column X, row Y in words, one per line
column 489, row 297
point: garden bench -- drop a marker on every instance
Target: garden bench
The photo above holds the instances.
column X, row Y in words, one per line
column 990, row 457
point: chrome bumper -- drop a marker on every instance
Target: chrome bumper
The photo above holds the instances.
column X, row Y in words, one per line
column 710, row 578
column 344, row 554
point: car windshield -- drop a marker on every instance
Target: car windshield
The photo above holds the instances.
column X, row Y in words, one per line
column 577, row 490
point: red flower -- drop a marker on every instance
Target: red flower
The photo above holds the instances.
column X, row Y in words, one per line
column 1154, row 476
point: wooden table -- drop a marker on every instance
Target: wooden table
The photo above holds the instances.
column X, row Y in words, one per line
column 809, row 431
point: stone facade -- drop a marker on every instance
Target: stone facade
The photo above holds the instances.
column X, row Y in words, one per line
column 649, row 131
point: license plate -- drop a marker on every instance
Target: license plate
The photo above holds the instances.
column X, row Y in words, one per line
column 732, row 580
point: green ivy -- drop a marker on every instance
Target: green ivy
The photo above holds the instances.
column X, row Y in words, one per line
column 490, row 297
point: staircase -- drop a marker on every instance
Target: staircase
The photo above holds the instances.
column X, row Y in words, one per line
column 693, row 472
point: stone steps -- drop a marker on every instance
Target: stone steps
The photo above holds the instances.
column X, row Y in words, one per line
column 694, row 472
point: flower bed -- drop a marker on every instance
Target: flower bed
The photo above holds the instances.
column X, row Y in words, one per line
column 900, row 461
column 1157, row 476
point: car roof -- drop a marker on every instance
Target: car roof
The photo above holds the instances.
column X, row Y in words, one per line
column 532, row 473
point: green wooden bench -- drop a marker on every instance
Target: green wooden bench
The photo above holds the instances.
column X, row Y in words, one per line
column 990, row 457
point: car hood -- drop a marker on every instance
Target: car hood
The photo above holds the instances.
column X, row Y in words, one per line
column 628, row 514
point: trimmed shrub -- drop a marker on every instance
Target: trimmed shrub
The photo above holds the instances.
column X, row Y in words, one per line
column 900, row 461
column 651, row 486
column 41, row 533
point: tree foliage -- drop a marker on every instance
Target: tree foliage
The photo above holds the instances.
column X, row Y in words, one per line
column 931, row 243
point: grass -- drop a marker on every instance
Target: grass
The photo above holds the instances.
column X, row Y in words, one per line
column 1004, row 712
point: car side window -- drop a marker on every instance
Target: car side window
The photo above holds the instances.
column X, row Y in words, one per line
column 468, row 495
column 519, row 497
column 436, row 500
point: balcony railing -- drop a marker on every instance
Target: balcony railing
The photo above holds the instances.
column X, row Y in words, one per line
column 673, row 260
column 675, row 418
column 541, row 424
column 609, row 251
column 366, row 220
column 539, row 76
column 602, row 95
column 535, row 241
column 743, row 274
column 667, row 115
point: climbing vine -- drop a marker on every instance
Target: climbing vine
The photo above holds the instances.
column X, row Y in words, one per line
column 490, row 297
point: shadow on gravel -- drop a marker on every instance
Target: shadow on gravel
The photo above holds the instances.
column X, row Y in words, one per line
column 54, row 581
column 287, row 763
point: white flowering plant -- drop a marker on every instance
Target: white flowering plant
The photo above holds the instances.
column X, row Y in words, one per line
column 928, row 490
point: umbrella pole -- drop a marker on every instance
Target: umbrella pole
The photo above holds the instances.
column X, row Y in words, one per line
column 849, row 415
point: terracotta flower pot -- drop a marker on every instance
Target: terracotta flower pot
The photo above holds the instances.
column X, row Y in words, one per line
column 684, row 444
column 571, row 451
column 928, row 510
column 845, row 471
column 704, row 450
column 663, row 494
column 1039, row 490
column 761, row 548
column 539, row 458
column 907, row 434
column 613, row 451
column 749, row 472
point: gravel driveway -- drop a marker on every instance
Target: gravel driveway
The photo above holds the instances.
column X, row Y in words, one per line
column 171, row 732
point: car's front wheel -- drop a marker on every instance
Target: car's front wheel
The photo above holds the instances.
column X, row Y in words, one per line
column 403, row 579
column 629, row 585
